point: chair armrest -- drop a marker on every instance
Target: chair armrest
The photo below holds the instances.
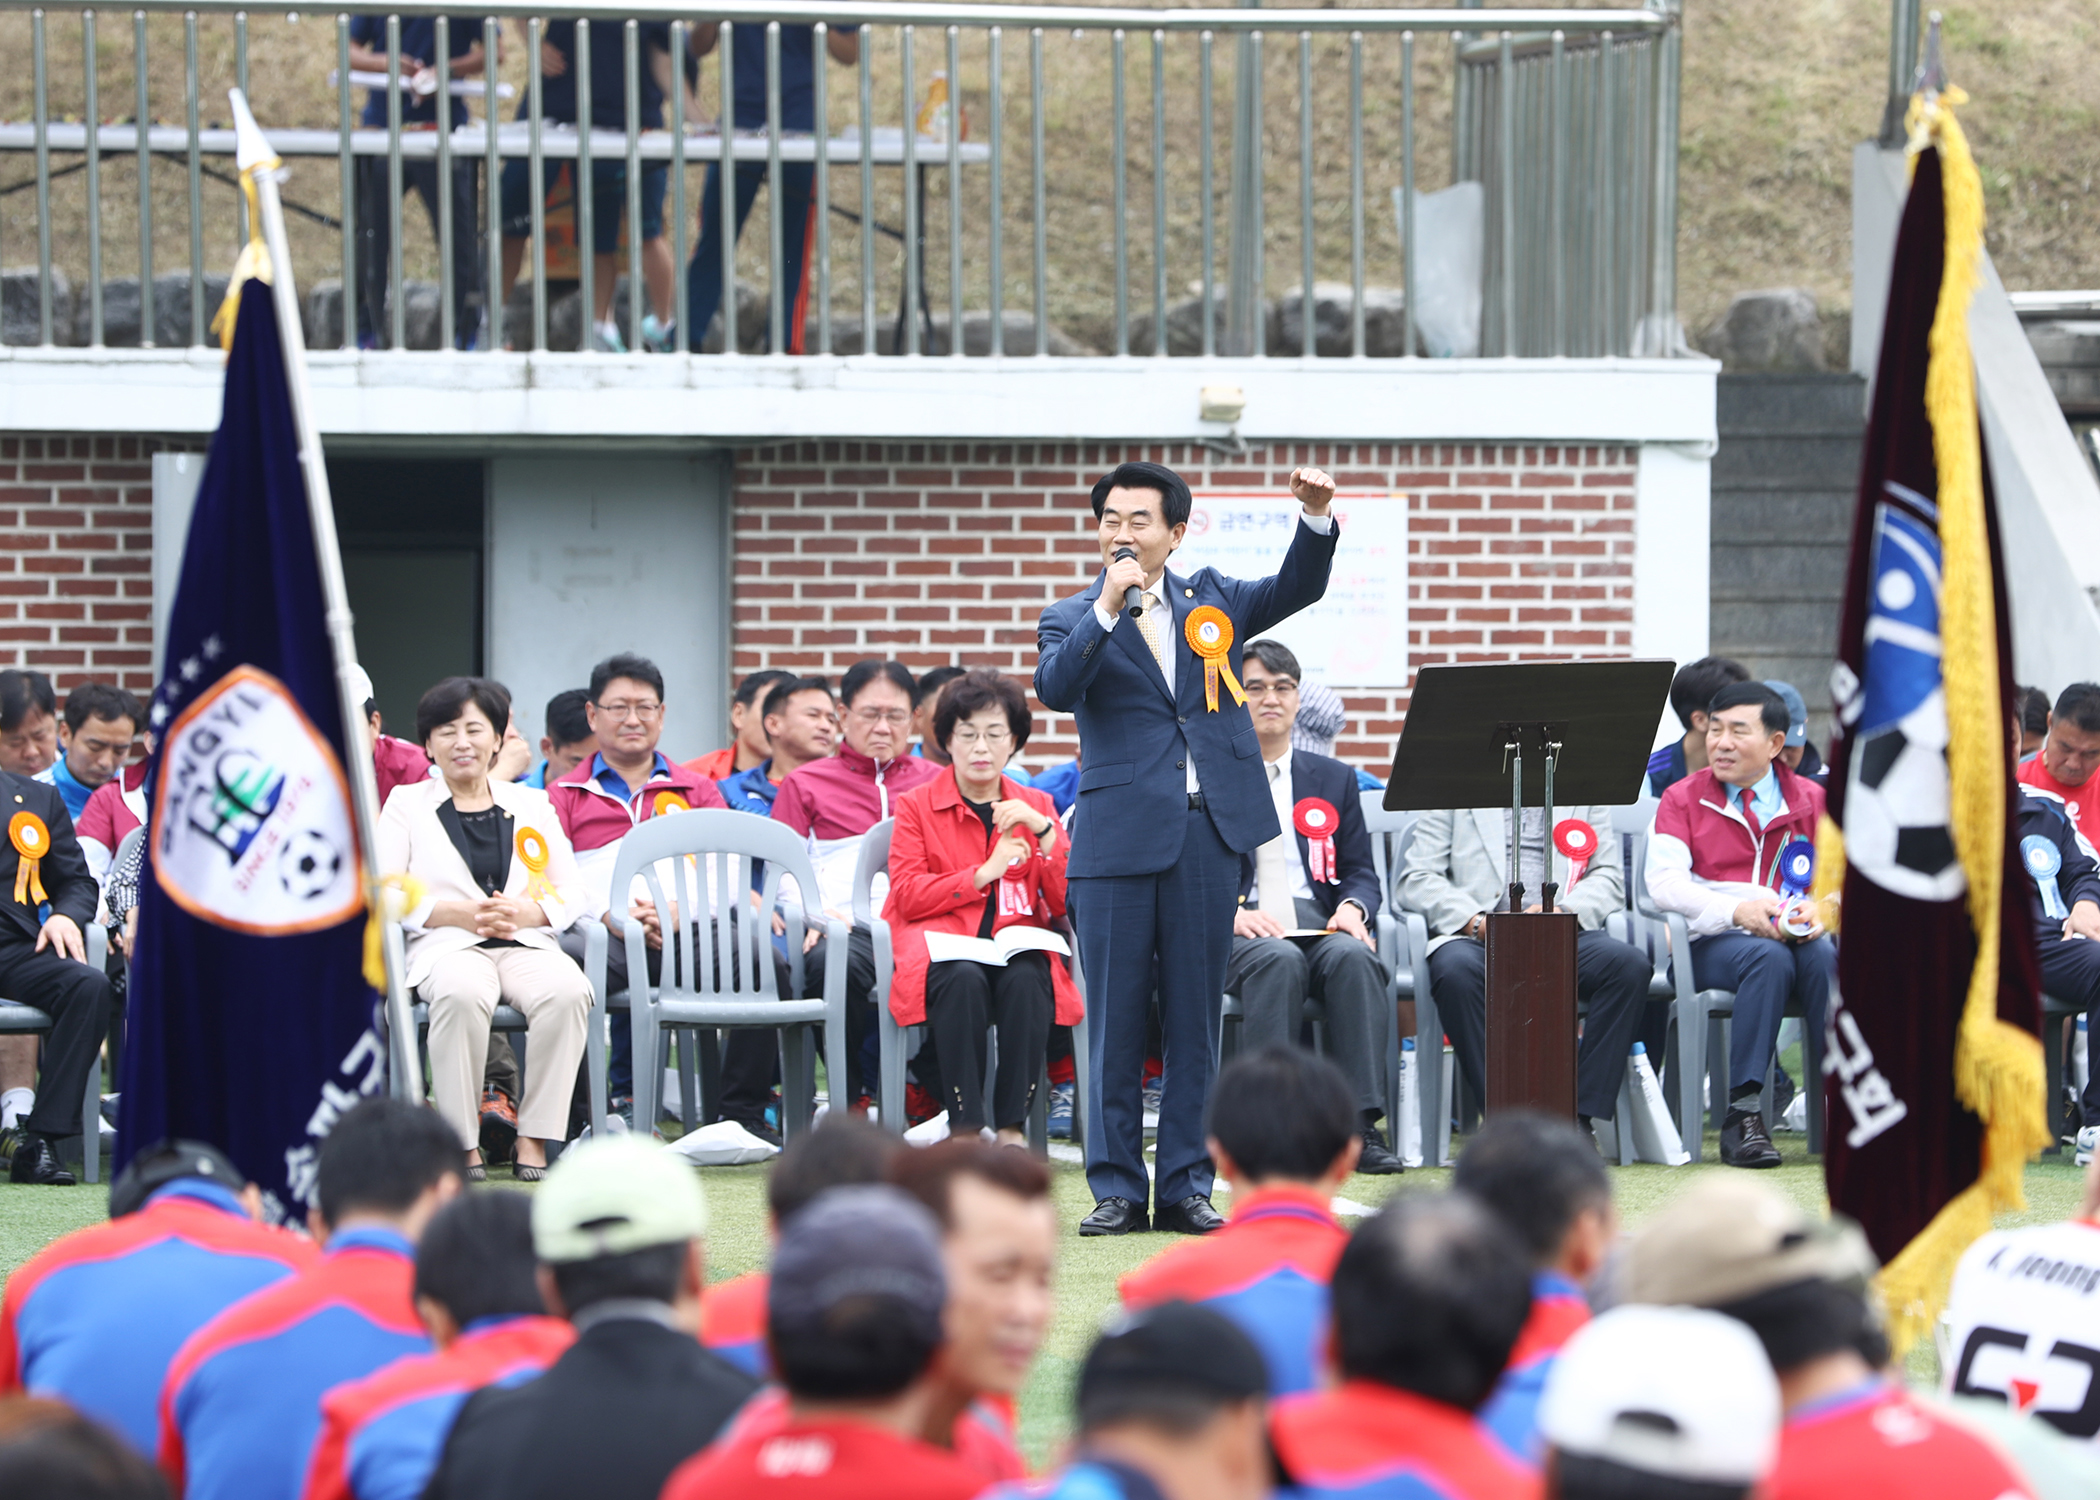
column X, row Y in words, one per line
column 885, row 957
column 97, row 938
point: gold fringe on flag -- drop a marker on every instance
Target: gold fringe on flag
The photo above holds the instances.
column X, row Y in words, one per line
column 1997, row 1066
column 254, row 261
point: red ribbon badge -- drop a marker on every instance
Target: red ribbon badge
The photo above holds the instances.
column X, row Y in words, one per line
column 1578, row 841
column 1316, row 818
column 1016, row 894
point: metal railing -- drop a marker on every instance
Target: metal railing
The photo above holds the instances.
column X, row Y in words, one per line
column 1568, row 118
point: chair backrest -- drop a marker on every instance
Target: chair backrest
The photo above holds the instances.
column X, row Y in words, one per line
column 126, row 844
column 874, row 862
column 700, row 868
column 1391, row 832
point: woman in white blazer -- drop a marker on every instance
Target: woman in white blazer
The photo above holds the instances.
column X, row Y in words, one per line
column 498, row 882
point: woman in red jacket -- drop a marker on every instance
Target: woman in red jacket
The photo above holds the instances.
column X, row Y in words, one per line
column 974, row 854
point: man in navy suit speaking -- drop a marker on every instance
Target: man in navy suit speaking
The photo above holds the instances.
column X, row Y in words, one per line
column 1172, row 791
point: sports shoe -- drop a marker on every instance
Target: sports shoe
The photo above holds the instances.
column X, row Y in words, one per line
column 10, row 1138
column 499, row 1125
column 2088, row 1145
column 1061, row 1097
column 1744, row 1142
column 657, row 335
column 919, row 1104
column 620, row 1107
column 605, row 338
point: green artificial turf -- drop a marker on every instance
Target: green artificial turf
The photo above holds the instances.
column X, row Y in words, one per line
column 1088, row 1269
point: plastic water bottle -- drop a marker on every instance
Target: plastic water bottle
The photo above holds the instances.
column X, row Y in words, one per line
column 1407, row 1130
column 1655, row 1136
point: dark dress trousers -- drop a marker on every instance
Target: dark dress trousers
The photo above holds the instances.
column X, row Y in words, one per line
column 1152, row 879
column 77, row 998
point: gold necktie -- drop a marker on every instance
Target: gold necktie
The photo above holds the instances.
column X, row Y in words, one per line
column 1148, row 627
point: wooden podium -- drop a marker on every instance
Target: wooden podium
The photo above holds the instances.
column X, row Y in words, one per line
column 1478, row 734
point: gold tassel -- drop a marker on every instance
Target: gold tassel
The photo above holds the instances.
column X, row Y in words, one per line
column 390, row 899
column 254, row 263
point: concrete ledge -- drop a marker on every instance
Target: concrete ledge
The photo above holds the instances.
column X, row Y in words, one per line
column 747, row 399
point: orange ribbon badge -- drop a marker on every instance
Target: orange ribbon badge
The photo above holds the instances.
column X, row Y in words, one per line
column 32, row 841
column 1209, row 633
column 532, row 854
column 670, row 802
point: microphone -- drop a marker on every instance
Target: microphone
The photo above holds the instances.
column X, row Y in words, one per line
column 1133, row 597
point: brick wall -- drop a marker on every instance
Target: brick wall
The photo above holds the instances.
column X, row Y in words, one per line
column 932, row 552
column 76, row 557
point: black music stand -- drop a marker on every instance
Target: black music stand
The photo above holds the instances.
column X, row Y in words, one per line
column 1544, row 733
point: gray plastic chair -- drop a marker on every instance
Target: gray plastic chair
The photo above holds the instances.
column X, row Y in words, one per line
column 27, row 1020
column 717, row 962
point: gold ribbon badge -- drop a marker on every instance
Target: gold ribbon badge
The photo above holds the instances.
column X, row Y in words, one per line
column 32, row 841
column 670, row 802
column 532, row 854
column 1209, row 633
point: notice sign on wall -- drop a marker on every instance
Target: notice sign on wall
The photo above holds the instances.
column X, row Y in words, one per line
column 1357, row 635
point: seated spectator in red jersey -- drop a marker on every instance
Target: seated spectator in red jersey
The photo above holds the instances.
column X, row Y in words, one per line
column 999, row 1250
column 477, row 1292
column 973, row 854
column 96, row 1317
column 117, row 807
column 94, row 741
column 241, row 1407
column 1170, row 1406
column 1429, row 1298
column 1284, row 1134
column 747, row 745
column 625, row 781
column 1543, row 1178
column 1663, row 1403
column 801, row 723
column 1800, row 1283
column 853, row 1322
column 394, row 761
column 845, row 1150
column 2070, row 754
column 619, row 1227
column 49, row 1449
column 833, row 803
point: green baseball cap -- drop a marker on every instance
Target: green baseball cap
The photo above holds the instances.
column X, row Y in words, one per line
column 613, row 1196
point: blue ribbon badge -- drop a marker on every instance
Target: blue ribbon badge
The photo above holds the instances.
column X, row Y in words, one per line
column 1797, row 874
column 2043, row 859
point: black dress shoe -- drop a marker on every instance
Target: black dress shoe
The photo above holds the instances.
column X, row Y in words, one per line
column 1376, row 1160
column 1192, row 1215
column 1115, row 1216
column 1744, row 1142
column 35, row 1162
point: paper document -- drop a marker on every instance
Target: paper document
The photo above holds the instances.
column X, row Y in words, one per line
column 947, row 947
column 1302, row 933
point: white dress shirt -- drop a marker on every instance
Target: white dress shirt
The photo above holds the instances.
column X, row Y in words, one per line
column 1281, row 793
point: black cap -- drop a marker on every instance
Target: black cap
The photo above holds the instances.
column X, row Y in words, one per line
column 1175, row 1346
column 862, row 1241
column 164, row 1162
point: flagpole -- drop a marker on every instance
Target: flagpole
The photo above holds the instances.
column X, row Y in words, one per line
column 255, row 156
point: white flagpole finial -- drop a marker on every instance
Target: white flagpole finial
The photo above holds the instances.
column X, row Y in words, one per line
column 251, row 146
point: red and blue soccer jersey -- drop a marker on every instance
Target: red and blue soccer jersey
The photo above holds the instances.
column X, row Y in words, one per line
column 381, row 1436
column 733, row 1322
column 1363, row 1441
column 96, row 1317
column 1267, row 1270
column 1558, row 1310
column 242, row 1404
column 1876, row 1440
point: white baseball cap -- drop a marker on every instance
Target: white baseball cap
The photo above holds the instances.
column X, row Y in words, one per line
column 361, row 683
column 1674, row 1391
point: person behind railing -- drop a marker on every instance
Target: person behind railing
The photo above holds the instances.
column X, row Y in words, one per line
column 421, row 69
column 797, row 206
column 498, row 881
column 972, row 855
column 608, row 174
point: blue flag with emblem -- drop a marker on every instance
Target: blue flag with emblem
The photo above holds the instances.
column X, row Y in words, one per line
column 251, row 1022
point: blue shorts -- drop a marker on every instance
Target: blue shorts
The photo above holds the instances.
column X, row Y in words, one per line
column 608, row 198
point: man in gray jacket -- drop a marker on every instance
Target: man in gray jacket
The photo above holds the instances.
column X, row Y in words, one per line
column 1457, row 871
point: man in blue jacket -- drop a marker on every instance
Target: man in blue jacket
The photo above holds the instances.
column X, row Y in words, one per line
column 1171, row 794
column 2063, row 894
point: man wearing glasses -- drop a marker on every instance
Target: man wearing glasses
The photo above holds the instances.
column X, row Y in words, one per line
column 833, row 803
column 624, row 781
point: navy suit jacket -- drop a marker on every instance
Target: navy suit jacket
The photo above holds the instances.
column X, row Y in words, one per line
column 1135, row 738
column 1325, row 777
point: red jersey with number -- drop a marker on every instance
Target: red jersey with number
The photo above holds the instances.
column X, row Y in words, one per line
column 983, row 1436
column 823, row 1459
column 1875, row 1440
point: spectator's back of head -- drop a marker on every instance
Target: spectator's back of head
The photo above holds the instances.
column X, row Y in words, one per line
column 1659, row 1403
column 568, row 722
column 846, row 1150
column 48, row 1451
column 935, row 678
column 1695, row 684
column 21, row 693
column 2032, row 706
column 382, row 1156
column 2078, row 704
column 1429, row 1297
column 475, row 1258
column 1172, row 1368
column 930, row 1175
column 853, row 1310
column 1537, row 1175
column 617, row 1219
column 165, row 1162
column 1282, row 1114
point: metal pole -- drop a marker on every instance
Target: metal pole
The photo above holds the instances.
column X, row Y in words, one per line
column 726, row 181
column 995, row 58
column 396, row 300
column 1903, row 62
column 536, row 194
column 346, row 159
column 1356, row 194
column 1558, row 239
column 820, row 115
column 1120, row 174
column 910, row 179
column 1662, row 291
column 583, row 202
column 684, row 342
column 1243, row 310
column 866, row 130
column 93, row 111
column 1159, row 193
column 492, row 288
column 1257, row 251
column 1407, row 190
column 955, row 252
column 1506, row 170
column 1309, row 329
column 42, row 117
column 144, row 117
column 1042, row 247
column 196, row 164
column 631, row 62
column 447, row 291
column 776, row 209
column 406, row 1078
column 1210, row 200
column 240, row 80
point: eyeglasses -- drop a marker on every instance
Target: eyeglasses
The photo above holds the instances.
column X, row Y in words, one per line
column 1261, row 687
column 896, row 718
column 991, row 738
column 621, row 712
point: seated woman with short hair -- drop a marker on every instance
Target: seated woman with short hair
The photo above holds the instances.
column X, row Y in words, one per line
column 499, row 880
column 971, row 855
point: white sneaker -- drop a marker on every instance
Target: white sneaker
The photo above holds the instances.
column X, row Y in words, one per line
column 2088, row 1145
column 605, row 338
